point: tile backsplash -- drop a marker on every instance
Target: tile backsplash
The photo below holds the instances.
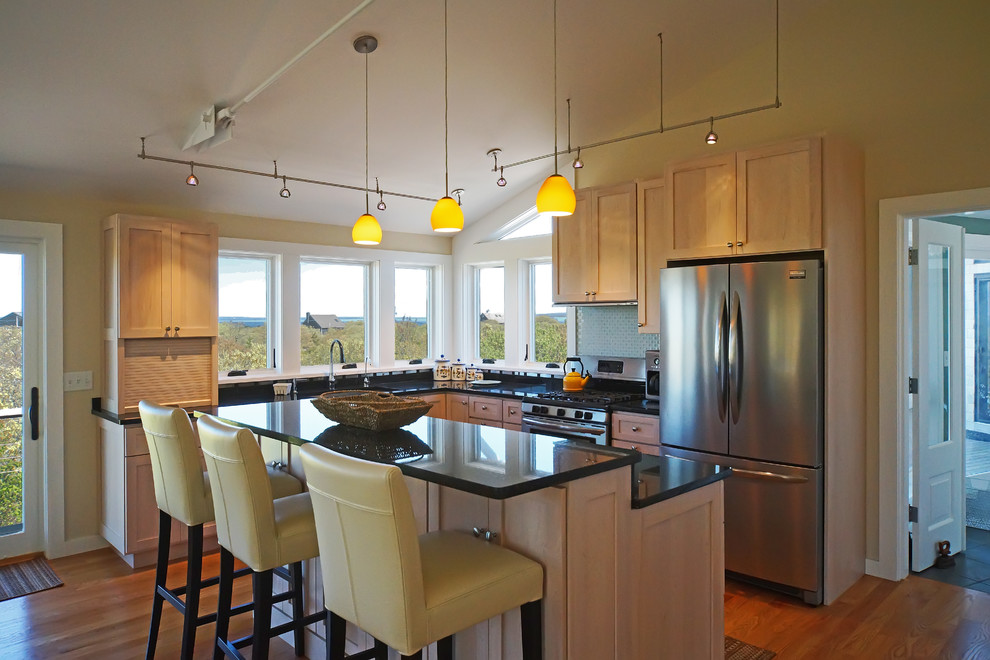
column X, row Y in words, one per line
column 612, row 331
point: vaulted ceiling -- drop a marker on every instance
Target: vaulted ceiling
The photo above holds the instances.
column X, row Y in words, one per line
column 82, row 82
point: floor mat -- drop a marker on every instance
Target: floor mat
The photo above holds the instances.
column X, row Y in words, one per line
column 739, row 650
column 26, row 577
column 978, row 508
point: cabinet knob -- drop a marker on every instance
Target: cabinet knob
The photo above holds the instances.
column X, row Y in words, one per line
column 739, row 244
column 587, row 293
column 729, row 244
column 635, row 448
column 635, row 429
column 640, row 325
column 594, row 293
column 176, row 330
column 485, row 533
column 512, row 411
column 484, row 407
column 463, row 403
column 168, row 329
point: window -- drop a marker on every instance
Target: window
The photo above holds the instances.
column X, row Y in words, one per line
column 548, row 327
column 245, row 305
column 413, row 312
column 333, row 300
column 489, row 288
column 526, row 224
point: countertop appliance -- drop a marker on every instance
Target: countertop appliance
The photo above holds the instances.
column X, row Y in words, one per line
column 653, row 375
column 741, row 385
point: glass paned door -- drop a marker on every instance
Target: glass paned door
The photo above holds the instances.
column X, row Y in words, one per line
column 20, row 445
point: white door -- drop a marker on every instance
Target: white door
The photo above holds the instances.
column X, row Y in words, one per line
column 21, row 436
column 939, row 439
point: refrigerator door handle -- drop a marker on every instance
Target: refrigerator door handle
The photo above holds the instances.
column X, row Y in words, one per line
column 735, row 356
column 720, row 372
column 768, row 476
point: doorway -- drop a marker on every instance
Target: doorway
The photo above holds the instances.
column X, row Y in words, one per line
column 31, row 450
column 977, row 288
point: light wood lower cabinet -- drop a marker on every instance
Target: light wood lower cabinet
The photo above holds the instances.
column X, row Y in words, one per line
column 458, row 407
column 129, row 509
column 512, row 414
column 439, row 402
column 639, row 432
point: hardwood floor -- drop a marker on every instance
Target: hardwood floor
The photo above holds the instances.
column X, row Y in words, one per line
column 915, row 618
column 104, row 609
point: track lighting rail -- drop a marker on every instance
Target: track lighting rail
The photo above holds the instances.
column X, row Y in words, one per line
column 268, row 175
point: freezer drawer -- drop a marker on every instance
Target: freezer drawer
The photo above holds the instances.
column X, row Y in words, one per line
column 773, row 522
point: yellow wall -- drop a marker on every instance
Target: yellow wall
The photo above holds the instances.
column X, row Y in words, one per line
column 80, row 220
column 904, row 79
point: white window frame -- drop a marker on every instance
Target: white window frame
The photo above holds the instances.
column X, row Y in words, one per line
column 527, row 314
column 371, row 309
column 474, row 304
column 434, row 317
column 274, row 320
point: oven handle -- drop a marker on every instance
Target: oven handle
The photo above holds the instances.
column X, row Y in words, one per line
column 534, row 424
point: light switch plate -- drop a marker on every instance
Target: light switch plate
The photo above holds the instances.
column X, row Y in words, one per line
column 78, row 380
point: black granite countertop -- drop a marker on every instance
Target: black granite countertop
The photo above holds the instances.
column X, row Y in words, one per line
column 641, row 407
column 484, row 460
column 659, row 478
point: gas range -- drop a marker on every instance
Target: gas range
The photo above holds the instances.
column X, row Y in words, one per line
column 581, row 415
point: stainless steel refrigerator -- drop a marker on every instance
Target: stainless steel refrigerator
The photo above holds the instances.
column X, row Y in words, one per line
column 741, row 384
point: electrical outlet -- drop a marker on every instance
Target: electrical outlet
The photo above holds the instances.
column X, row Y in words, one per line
column 78, row 381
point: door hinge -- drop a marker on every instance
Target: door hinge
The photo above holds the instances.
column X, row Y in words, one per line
column 912, row 385
column 912, row 256
column 912, row 513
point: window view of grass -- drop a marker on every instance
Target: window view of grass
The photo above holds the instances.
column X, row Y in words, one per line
column 243, row 302
column 11, row 427
column 549, row 320
column 242, row 344
column 412, row 313
column 490, row 288
column 333, row 299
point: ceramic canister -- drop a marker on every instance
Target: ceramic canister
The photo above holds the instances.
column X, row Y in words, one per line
column 441, row 369
column 457, row 371
column 471, row 373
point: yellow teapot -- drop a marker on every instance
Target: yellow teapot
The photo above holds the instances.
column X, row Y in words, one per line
column 573, row 380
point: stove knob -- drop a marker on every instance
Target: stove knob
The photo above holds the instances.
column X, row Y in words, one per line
column 588, row 415
column 560, row 412
column 578, row 414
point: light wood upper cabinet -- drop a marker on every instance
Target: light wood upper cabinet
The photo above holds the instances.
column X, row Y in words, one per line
column 165, row 277
column 701, row 208
column 594, row 249
column 779, row 197
column 650, row 203
column 574, row 238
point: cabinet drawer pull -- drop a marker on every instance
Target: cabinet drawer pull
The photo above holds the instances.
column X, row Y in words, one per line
column 635, row 429
column 729, row 244
column 512, row 411
column 739, row 244
column 463, row 403
column 484, row 533
column 484, row 407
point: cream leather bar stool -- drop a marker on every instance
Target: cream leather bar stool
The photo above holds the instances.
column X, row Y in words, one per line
column 182, row 491
column 407, row 591
column 263, row 532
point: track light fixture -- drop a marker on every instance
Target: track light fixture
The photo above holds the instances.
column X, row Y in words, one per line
column 284, row 192
column 366, row 230
column 192, row 179
column 556, row 197
column 712, row 136
column 447, row 216
column 381, row 198
column 457, row 192
column 578, row 163
column 494, row 152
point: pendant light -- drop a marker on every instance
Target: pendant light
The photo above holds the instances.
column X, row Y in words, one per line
column 192, row 179
column 712, row 136
column 447, row 216
column 556, row 197
column 366, row 230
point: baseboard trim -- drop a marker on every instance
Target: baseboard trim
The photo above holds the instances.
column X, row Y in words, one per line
column 76, row 546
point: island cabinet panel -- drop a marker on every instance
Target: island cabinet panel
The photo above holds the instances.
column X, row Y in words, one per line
column 650, row 203
column 659, row 563
column 485, row 410
column 779, row 197
column 439, row 402
column 458, row 407
column 700, row 213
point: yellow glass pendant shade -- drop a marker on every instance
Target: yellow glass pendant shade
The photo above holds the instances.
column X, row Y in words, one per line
column 556, row 197
column 366, row 231
column 447, row 216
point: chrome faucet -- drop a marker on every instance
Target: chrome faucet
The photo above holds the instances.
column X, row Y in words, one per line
column 341, row 346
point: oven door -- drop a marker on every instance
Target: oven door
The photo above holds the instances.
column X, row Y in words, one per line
column 569, row 429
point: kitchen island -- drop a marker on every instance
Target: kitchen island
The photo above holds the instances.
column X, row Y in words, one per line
column 631, row 549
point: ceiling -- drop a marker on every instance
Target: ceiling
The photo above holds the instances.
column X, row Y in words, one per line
column 84, row 81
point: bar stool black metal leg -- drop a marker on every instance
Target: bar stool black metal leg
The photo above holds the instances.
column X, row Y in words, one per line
column 532, row 630
column 418, row 655
column 194, row 575
column 161, row 573
column 262, row 614
column 223, row 601
column 336, row 632
column 445, row 648
column 299, row 632
column 381, row 650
